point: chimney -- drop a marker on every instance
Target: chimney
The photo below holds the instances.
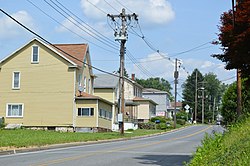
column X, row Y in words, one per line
column 133, row 77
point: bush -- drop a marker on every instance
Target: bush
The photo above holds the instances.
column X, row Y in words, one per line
column 2, row 123
column 161, row 119
column 181, row 121
column 232, row 148
column 147, row 126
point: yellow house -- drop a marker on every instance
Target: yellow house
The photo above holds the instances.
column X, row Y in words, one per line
column 137, row 109
column 51, row 87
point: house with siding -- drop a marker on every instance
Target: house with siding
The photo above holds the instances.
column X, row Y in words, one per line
column 137, row 109
column 46, row 86
column 161, row 98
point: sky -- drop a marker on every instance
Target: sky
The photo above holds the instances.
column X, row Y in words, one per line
column 166, row 29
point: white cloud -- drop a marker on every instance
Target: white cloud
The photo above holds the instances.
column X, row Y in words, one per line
column 164, row 68
column 150, row 12
column 10, row 29
column 83, row 29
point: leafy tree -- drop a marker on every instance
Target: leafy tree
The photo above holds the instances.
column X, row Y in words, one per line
column 213, row 94
column 235, row 39
column 188, row 92
column 156, row 83
column 229, row 105
column 125, row 73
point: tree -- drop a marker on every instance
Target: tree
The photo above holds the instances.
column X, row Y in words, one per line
column 213, row 93
column 234, row 37
column 125, row 73
column 229, row 104
column 156, row 83
column 189, row 90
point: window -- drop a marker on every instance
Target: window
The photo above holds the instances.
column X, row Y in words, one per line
column 89, row 86
column 105, row 114
column 85, row 84
column 35, row 54
column 85, row 111
column 80, row 79
column 16, row 80
column 14, row 110
column 85, row 62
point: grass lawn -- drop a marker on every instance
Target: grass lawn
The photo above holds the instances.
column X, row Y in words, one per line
column 27, row 138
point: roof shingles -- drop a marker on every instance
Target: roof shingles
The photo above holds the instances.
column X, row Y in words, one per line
column 77, row 52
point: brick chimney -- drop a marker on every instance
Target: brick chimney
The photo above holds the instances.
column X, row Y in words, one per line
column 133, row 77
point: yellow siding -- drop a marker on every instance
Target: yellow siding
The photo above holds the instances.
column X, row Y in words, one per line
column 105, row 123
column 46, row 88
column 107, row 94
column 87, row 121
column 85, row 73
column 143, row 110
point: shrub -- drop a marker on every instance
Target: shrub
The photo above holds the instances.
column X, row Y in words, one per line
column 147, row 126
column 181, row 121
column 161, row 119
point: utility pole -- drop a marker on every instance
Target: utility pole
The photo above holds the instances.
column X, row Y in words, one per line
column 176, row 75
column 213, row 109
column 202, row 110
column 195, row 106
column 122, row 36
column 238, row 72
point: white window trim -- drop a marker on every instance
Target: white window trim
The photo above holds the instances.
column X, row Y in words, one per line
column 13, row 78
column 89, row 112
column 7, row 116
column 85, row 84
column 89, row 86
column 37, row 54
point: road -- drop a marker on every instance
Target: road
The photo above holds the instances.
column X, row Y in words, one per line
column 170, row 149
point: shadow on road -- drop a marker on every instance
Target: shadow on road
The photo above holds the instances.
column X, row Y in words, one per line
column 164, row 160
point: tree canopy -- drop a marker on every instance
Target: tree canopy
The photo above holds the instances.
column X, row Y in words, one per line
column 213, row 91
column 234, row 37
column 229, row 105
column 156, row 83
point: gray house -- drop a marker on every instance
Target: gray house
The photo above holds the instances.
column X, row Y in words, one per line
column 161, row 98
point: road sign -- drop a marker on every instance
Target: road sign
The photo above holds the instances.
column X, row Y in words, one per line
column 187, row 107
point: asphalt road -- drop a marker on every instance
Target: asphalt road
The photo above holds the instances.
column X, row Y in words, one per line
column 170, row 149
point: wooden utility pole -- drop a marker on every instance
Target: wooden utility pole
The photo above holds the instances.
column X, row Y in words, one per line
column 176, row 75
column 196, row 102
column 239, row 89
column 121, row 36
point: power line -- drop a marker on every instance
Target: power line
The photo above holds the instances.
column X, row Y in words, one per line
column 130, row 56
column 46, row 41
column 92, row 29
column 97, row 7
column 111, row 6
column 67, row 27
column 123, row 6
column 109, row 45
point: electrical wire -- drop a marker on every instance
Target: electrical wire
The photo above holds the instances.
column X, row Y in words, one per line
column 111, row 6
column 97, row 7
column 123, row 6
column 109, row 45
column 92, row 29
column 67, row 27
column 47, row 42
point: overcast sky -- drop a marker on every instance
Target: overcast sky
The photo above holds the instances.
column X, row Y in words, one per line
column 177, row 28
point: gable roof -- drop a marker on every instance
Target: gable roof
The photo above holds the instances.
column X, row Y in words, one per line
column 87, row 96
column 153, row 91
column 106, row 81
column 111, row 81
column 76, row 50
column 144, row 99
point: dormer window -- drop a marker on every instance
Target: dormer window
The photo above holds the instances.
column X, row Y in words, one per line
column 35, row 54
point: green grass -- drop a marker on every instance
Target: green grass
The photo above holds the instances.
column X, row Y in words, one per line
column 232, row 148
column 27, row 138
